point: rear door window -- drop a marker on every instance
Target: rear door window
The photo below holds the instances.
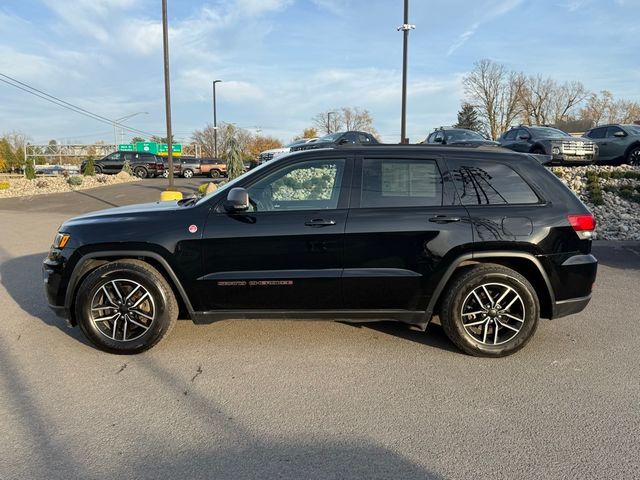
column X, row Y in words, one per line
column 490, row 183
column 597, row 133
column 400, row 183
column 510, row 135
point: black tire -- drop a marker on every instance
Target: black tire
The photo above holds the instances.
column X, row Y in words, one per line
column 477, row 339
column 97, row 169
column 633, row 158
column 141, row 172
column 187, row 173
column 214, row 174
column 122, row 272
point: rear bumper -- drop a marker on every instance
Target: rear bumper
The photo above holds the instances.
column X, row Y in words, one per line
column 564, row 308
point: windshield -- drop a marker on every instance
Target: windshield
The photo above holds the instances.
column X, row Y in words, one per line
column 462, row 136
column 332, row 137
column 548, row 132
column 633, row 129
column 295, row 143
column 232, row 183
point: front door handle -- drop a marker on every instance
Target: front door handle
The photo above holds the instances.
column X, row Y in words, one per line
column 319, row 222
column 444, row 219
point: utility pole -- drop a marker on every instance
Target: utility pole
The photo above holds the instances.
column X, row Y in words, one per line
column 215, row 121
column 329, row 121
column 405, row 28
column 167, row 91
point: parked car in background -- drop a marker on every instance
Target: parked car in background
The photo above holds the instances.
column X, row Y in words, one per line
column 563, row 148
column 276, row 152
column 338, row 138
column 460, row 137
column 213, row 167
column 617, row 143
column 56, row 169
column 143, row 164
column 184, row 166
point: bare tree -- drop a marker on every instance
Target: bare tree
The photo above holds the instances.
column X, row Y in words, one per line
column 566, row 98
column 345, row 118
column 494, row 93
column 598, row 108
column 329, row 121
column 205, row 138
column 628, row 111
column 17, row 140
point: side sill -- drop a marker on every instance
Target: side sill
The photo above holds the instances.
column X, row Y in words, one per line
column 404, row 316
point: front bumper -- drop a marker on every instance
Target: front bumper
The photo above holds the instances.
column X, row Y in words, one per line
column 564, row 159
column 52, row 269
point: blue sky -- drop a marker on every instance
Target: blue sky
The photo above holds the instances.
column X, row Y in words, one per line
column 283, row 61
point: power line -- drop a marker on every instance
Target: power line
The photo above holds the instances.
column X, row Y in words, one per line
column 64, row 104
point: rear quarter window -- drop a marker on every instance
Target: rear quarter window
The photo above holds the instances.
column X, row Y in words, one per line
column 490, row 183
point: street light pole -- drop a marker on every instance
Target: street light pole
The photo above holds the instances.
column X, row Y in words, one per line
column 405, row 28
column 167, row 91
column 329, row 121
column 215, row 121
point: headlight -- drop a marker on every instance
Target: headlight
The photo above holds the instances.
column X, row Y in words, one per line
column 556, row 150
column 61, row 240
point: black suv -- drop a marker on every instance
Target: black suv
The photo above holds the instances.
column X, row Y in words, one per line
column 459, row 137
column 143, row 164
column 336, row 139
column 487, row 239
column 563, row 148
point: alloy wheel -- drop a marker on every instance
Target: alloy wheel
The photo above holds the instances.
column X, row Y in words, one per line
column 634, row 157
column 493, row 313
column 122, row 310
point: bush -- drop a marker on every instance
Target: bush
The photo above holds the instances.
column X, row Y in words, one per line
column 29, row 171
column 90, row 168
column 74, row 181
column 203, row 188
column 42, row 184
column 594, row 188
column 5, row 185
column 126, row 167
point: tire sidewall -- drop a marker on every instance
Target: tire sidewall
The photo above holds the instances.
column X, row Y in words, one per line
column 187, row 173
column 83, row 306
column 630, row 157
column 531, row 305
column 214, row 174
column 141, row 172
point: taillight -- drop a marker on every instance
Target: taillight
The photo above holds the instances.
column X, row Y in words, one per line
column 583, row 223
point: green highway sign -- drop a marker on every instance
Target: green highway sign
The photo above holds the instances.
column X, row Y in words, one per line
column 125, row 147
column 163, row 149
column 149, row 147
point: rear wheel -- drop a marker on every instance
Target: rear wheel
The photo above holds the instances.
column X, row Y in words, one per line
column 125, row 307
column 634, row 157
column 214, row 173
column 490, row 311
column 141, row 172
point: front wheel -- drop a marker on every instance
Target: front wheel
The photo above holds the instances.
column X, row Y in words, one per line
column 187, row 173
column 490, row 311
column 125, row 307
column 634, row 157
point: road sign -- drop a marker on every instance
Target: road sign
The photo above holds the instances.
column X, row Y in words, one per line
column 163, row 149
column 148, row 147
column 125, row 147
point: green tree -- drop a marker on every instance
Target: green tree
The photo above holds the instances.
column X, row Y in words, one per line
column 90, row 167
column 135, row 140
column 29, row 171
column 468, row 118
column 235, row 167
column 6, row 155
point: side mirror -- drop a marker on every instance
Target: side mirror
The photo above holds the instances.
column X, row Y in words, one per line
column 237, row 200
column 524, row 137
column 438, row 139
column 619, row 134
column 343, row 141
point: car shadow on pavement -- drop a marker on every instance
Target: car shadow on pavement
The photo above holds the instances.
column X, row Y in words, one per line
column 433, row 337
column 22, row 278
column 623, row 255
column 102, row 200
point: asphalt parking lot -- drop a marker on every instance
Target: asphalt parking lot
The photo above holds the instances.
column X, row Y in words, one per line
column 312, row 400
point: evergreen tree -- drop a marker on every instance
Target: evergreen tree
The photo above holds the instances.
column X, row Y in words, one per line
column 29, row 171
column 90, row 167
column 235, row 167
column 468, row 118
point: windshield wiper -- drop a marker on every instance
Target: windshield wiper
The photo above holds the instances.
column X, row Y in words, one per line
column 188, row 201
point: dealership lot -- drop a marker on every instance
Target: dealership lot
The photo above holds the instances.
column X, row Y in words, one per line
column 309, row 399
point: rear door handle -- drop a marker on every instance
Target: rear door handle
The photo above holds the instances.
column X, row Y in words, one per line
column 444, row 219
column 319, row 222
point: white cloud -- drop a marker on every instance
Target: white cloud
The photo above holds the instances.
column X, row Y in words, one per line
column 491, row 12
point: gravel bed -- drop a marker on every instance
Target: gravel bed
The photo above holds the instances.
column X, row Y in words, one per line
column 617, row 218
column 21, row 187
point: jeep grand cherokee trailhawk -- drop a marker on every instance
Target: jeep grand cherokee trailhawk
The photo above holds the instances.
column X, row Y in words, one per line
column 489, row 240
